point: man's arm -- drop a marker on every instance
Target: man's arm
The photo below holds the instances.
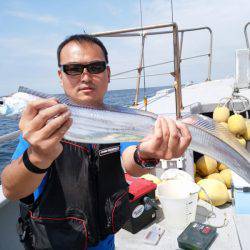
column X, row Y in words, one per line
column 43, row 124
column 18, row 182
column 129, row 164
column 170, row 140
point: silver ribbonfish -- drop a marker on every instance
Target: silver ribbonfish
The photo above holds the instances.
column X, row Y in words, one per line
column 113, row 124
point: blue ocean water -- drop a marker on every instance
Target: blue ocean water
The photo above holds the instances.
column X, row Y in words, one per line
column 114, row 97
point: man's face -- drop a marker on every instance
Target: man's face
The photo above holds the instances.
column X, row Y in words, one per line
column 87, row 88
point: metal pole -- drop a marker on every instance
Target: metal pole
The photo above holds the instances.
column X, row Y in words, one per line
column 139, row 72
column 177, row 72
column 181, row 30
column 181, row 43
column 210, row 55
column 246, row 36
column 132, row 30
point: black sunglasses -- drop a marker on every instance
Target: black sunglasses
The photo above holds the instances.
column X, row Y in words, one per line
column 75, row 69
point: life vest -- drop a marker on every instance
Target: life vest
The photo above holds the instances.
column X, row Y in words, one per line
column 85, row 199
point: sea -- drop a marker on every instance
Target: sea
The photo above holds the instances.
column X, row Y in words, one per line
column 115, row 97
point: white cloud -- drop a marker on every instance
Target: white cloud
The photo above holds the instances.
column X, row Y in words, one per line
column 33, row 17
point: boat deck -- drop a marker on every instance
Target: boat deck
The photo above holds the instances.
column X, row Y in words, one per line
column 227, row 234
column 196, row 98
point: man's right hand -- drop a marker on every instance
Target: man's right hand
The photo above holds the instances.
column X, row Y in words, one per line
column 43, row 124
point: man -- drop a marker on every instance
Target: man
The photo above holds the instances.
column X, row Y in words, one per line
column 74, row 196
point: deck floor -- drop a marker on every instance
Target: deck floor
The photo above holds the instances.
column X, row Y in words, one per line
column 227, row 235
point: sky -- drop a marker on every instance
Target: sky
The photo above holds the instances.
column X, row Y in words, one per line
column 30, row 32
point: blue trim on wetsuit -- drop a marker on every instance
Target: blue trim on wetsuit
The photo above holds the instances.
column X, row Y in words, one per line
column 124, row 145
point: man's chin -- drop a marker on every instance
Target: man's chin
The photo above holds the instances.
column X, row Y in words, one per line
column 87, row 100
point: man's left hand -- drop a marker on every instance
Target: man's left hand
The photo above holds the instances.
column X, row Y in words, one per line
column 170, row 140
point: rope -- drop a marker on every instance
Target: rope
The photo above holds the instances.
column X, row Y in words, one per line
column 157, row 64
column 133, row 77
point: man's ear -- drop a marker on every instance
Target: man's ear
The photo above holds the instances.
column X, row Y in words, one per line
column 59, row 73
column 109, row 73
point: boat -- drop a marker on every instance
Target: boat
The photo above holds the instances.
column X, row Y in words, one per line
column 191, row 98
column 199, row 98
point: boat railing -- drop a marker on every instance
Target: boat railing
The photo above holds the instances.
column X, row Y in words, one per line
column 177, row 45
column 246, row 35
column 209, row 54
column 140, row 32
column 181, row 31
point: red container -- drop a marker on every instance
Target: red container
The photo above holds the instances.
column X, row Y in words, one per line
column 141, row 212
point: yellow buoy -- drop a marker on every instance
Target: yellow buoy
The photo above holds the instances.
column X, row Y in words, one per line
column 216, row 190
column 221, row 166
column 195, row 167
column 226, row 174
column 206, row 165
column 242, row 141
column 246, row 135
column 216, row 176
column 221, row 114
column 237, row 124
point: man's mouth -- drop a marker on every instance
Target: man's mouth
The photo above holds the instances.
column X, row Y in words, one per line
column 85, row 88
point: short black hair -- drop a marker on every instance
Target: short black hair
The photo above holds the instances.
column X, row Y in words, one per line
column 80, row 38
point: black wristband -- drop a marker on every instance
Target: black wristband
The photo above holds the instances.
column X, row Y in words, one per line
column 30, row 166
column 144, row 163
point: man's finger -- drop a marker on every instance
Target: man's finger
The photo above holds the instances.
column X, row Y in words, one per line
column 185, row 138
column 183, row 129
column 165, row 134
column 188, row 120
column 46, row 114
column 58, row 135
column 53, row 125
column 158, row 136
column 41, row 103
column 174, row 136
column 33, row 107
column 147, row 138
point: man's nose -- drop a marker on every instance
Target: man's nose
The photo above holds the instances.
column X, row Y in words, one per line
column 85, row 75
